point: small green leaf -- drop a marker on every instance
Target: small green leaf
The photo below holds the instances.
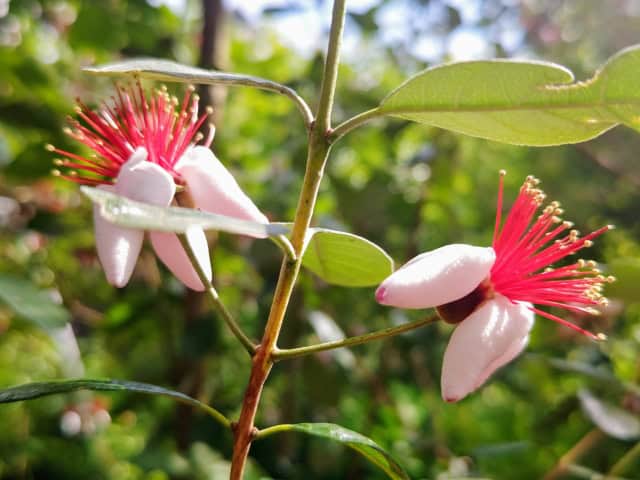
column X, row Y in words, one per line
column 612, row 420
column 32, row 304
column 363, row 445
column 522, row 102
column 627, row 273
column 129, row 213
column 32, row 391
column 345, row 259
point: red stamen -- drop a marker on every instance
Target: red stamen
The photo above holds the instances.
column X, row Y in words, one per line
column 116, row 130
column 525, row 248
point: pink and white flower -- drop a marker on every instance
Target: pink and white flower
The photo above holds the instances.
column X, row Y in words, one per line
column 142, row 149
column 490, row 292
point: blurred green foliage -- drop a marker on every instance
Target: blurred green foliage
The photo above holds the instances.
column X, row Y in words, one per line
column 406, row 187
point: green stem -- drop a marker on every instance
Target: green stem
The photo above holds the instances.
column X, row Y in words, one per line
column 285, row 245
column 354, row 122
column 318, row 152
column 215, row 298
column 265, row 432
column 623, row 464
column 285, row 353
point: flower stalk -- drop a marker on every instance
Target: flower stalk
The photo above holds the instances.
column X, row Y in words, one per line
column 286, row 353
column 218, row 306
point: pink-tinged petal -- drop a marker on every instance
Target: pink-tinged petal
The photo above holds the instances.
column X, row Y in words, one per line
column 118, row 248
column 144, row 181
column 437, row 277
column 213, row 188
column 490, row 337
column 170, row 251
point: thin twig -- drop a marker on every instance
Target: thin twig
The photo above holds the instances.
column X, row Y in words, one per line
column 286, row 353
column 215, row 298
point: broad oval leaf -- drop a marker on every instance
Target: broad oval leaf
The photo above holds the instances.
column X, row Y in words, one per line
column 32, row 304
column 345, row 259
column 129, row 213
column 612, row 420
column 522, row 102
column 35, row 390
column 363, row 445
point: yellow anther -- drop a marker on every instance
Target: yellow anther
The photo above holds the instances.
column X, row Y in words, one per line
column 49, row 147
column 67, row 131
column 58, row 162
column 502, row 173
column 588, row 243
column 601, row 337
column 55, row 172
column 611, row 279
column 209, row 110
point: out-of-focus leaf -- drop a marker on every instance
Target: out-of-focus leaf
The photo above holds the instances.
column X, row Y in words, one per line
column 345, row 259
column 364, row 445
column 612, row 420
column 627, row 273
column 129, row 213
column 35, row 390
column 522, row 103
column 32, row 304
column 588, row 370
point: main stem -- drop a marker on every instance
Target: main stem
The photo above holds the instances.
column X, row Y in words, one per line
column 318, row 151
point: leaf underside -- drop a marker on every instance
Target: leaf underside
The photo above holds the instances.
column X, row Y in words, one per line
column 129, row 213
column 521, row 102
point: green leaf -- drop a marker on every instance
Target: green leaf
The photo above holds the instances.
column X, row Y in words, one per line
column 522, row 102
column 32, row 391
column 168, row 71
column 363, row 445
column 345, row 259
column 32, row 304
column 129, row 213
column 627, row 273
column 612, row 420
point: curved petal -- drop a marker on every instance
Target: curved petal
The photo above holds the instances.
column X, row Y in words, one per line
column 145, row 181
column 118, row 248
column 490, row 337
column 213, row 188
column 170, row 251
column 437, row 277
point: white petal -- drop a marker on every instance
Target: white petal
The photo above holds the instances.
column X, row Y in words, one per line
column 118, row 248
column 213, row 188
column 437, row 277
column 490, row 337
column 170, row 251
column 145, row 182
